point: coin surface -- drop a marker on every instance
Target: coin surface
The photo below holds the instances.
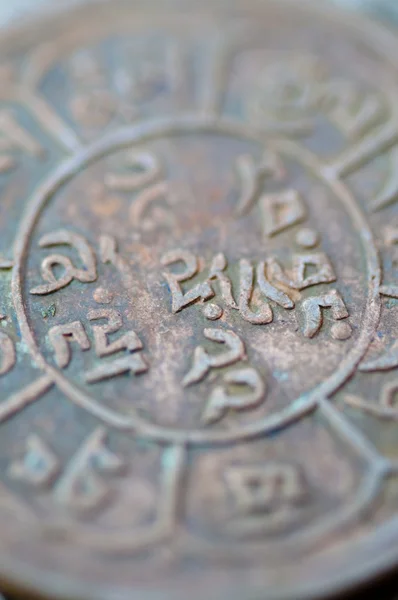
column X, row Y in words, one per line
column 198, row 277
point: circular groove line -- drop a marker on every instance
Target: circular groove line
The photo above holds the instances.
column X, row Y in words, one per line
column 169, row 127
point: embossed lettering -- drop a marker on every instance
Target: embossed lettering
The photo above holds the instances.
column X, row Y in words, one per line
column 93, row 105
column 324, row 270
column 129, row 342
column 217, row 273
column 202, row 291
column 352, row 111
column 40, row 465
column 87, row 274
column 281, row 211
column 220, row 401
column 203, row 362
column 110, row 254
column 146, row 169
column 312, row 309
column 266, row 497
column 387, row 406
column 265, row 314
column 61, row 336
column 133, row 364
column 270, row 291
column 82, row 487
column 252, row 177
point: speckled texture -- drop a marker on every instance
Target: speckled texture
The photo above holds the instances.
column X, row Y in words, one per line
column 18, row 9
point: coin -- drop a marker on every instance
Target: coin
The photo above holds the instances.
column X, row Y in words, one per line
column 198, row 255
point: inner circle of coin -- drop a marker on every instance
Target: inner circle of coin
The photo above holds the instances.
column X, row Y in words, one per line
column 164, row 194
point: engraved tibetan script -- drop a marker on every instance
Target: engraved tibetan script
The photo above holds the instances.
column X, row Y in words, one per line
column 274, row 283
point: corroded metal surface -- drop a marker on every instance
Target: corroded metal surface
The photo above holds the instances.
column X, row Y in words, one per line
column 198, row 300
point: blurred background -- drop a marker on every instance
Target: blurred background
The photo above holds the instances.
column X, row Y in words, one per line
column 384, row 8
column 15, row 9
column 12, row 11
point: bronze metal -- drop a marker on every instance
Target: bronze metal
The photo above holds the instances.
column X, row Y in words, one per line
column 198, row 298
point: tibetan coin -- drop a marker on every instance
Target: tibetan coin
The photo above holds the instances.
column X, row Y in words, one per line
column 198, row 302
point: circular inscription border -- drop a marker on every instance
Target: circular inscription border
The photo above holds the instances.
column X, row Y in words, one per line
column 188, row 125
